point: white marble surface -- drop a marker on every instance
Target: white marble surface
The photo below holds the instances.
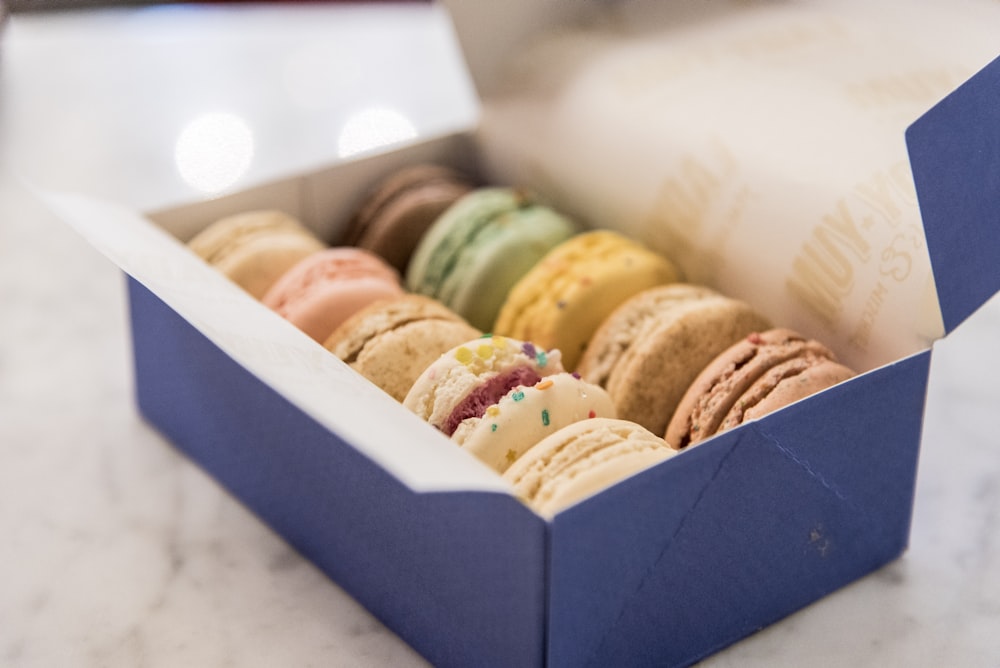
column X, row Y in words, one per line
column 117, row 551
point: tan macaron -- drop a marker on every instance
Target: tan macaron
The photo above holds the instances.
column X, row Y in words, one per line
column 391, row 342
column 582, row 459
column 652, row 347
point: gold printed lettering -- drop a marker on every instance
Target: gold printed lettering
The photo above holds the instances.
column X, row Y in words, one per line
column 873, row 305
column 834, row 264
column 686, row 200
column 815, row 290
column 823, row 274
column 876, row 193
column 842, row 223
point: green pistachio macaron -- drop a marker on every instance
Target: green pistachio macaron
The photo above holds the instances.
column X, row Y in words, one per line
column 480, row 246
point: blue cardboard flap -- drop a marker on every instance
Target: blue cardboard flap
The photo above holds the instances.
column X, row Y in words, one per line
column 955, row 155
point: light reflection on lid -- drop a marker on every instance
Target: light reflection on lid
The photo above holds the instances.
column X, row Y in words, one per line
column 213, row 151
column 373, row 128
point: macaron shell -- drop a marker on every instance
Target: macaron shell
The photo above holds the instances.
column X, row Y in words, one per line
column 561, row 302
column 400, row 210
column 348, row 340
column 582, row 459
column 325, row 307
column 475, row 252
column 630, row 320
column 254, row 249
column 586, row 478
column 526, row 415
column 462, row 371
column 496, row 258
column 785, row 384
column 742, row 376
column 395, row 359
column 451, row 232
column 721, row 383
column 320, row 292
column 672, row 343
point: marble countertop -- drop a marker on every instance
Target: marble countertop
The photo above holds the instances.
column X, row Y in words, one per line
column 118, row 551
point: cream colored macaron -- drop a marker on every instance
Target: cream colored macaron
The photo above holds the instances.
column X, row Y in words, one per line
column 526, row 415
column 255, row 248
column 582, row 459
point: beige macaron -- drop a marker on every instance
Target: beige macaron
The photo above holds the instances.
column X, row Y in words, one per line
column 255, row 248
column 391, row 342
column 582, row 459
column 651, row 348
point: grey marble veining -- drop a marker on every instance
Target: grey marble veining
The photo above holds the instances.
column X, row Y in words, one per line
column 118, row 551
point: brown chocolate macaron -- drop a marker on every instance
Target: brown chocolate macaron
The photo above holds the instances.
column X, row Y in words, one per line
column 394, row 216
column 754, row 377
column 391, row 342
column 650, row 349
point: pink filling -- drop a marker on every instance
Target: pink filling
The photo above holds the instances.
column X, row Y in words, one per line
column 487, row 394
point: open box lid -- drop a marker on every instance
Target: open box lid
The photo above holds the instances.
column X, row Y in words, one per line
column 955, row 156
column 761, row 147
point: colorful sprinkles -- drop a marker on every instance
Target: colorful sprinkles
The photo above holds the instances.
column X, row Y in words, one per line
column 545, row 418
column 544, row 385
column 517, row 396
column 483, row 351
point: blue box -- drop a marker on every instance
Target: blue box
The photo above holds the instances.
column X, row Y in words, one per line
column 664, row 568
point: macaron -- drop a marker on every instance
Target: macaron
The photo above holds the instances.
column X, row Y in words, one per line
column 478, row 249
column 473, row 376
column 582, row 459
column 255, row 248
column 390, row 342
column 324, row 289
column 527, row 414
column 760, row 374
column 650, row 349
column 565, row 297
column 396, row 214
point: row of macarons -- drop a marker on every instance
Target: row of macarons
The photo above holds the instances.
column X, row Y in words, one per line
column 675, row 365
column 614, row 334
column 496, row 256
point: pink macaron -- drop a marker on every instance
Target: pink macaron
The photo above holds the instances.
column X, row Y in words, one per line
column 327, row 287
